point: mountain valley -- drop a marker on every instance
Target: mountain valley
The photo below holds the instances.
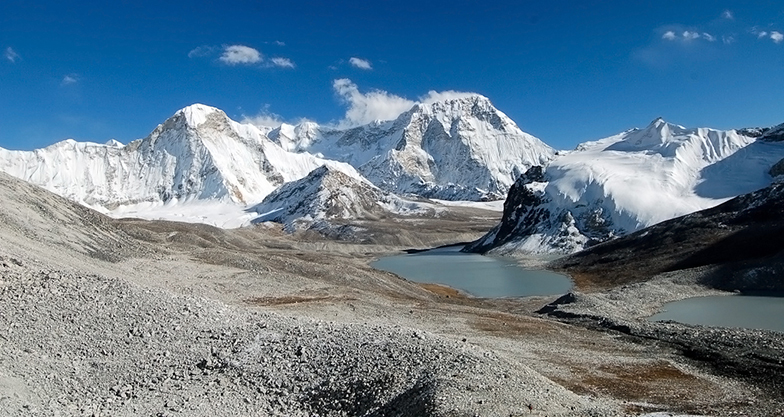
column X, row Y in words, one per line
column 222, row 268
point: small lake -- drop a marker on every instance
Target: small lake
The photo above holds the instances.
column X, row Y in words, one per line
column 477, row 275
column 751, row 312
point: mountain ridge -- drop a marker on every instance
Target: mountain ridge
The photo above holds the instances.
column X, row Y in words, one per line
column 620, row 184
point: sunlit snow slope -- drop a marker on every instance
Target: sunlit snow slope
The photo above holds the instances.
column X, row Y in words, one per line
column 618, row 185
column 327, row 193
column 455, row 149
column 198, row 158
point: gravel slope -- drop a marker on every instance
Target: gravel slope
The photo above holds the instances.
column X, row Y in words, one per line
column 101, row 323
column 116, row 318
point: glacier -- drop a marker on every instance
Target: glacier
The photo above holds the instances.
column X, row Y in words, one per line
column 201, row 166
column 455, row 149
column 617, row 185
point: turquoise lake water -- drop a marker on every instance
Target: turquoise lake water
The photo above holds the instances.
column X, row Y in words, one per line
column 477, row 275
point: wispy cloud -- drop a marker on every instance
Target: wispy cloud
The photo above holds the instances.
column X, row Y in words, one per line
column 381, row 105
column 774, row 35
column 69, row 79
column 678, row 43
column 283, row 63
column 727, row 14
column 202, row 51
column 360, row 63
column 687, row 36
column 370, row 106
column 758, row 33
column 279, row 43
column 727, row 39
column 240, row 54
column 11, row 55
column 265, row 118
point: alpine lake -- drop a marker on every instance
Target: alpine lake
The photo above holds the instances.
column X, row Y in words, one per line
column 473, row 274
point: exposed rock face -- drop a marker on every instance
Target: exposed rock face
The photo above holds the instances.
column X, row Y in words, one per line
column 740, row 239
column 773, row 134
column 458, row 149
column 327, row 194
column 618, row 185
column 520, row 216
column 777, row 169
column 197, row 154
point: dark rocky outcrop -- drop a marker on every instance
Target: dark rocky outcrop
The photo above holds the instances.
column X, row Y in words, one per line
column 773, row 134
column 740, row 238
column 521, row 213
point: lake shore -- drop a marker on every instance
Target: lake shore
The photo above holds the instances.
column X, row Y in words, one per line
column 134, row 317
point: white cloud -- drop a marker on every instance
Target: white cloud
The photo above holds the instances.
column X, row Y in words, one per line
column 687, row 35
column 69, row 79
column 283, row 62
column 728, row 39
column 669, row 35
column 774, row 35
column 365, row 108
column 727, row 15
column 381, row 105
column 360, row 63
column 279, row 43
column 240, row 54
column 264, row 119
column 11, row 55
column 434, row 96
column 201, row 51
column 708, row 37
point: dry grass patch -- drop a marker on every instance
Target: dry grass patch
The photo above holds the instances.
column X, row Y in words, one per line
column 657, row 383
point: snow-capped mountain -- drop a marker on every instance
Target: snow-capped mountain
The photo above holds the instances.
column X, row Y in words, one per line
column 456, row 149
column 197, row 155
column 201, row 166
column 327, row 194
column 620, row 184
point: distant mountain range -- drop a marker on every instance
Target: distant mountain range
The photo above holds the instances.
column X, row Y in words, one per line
column 201, row 166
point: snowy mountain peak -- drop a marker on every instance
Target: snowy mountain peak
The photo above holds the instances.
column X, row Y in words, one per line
column 620, row 184
column 470, row 105
column 196, row 114
column 674, row 141
column 330, row 193
column 295, row 138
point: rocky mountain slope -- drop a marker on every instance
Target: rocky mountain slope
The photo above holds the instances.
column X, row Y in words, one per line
column 326, row 195
column 456, row 149
column 618, row 185
column 738, row 239
column 201, row 166
column 128, row 317
column 128, row 330
column 199, row 154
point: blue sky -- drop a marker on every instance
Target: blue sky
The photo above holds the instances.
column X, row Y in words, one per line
column 565, row 71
